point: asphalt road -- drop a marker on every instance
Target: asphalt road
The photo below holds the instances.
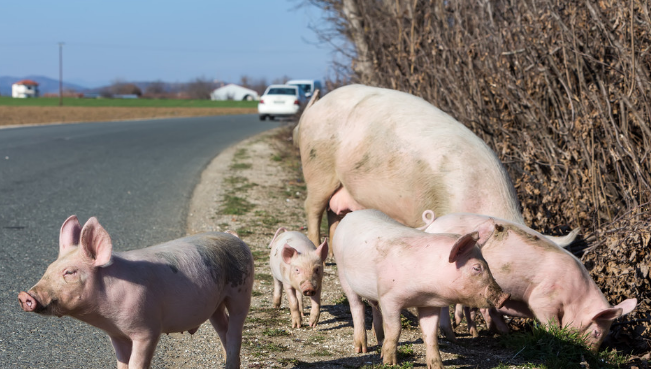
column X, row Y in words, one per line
column 136, row 177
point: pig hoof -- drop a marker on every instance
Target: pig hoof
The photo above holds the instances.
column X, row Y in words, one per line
column 390, row 360
column 450, row 337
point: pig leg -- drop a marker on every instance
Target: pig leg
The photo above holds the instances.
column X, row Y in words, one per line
column 498, row 321
column 316, row 309
column 377, row 323
column 278, row 293
column 446, row 324
column 486, row 314
column 143, row 351
column 513, row 308
column 314, row 207
column 357, row 311
column 238, row 308
column 428, row 319
column 122, row 348
column 293, row 306
column 299, row 298
column 458, row 314
column 219, row 321
column 392, row 326
column 494, row 321
column 318, row 196
column 470, row 319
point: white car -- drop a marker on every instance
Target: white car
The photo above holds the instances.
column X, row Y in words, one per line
column 280, row 101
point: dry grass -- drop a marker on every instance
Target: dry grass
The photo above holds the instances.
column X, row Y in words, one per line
column 25, row 115
column 560, row 91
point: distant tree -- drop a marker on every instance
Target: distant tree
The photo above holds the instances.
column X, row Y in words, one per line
column 131, row 89
column 281, row 81
column 155, row 88
column 105, row 92
column 120, row 87
column 200, row 88
column 258, row 85
column 245, row 81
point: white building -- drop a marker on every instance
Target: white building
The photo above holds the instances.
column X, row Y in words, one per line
column 234, row 92
column 24, row 88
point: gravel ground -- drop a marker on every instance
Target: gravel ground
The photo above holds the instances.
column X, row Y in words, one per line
column 265, row 170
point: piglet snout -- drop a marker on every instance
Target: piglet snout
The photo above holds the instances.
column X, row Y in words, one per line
column 502, row 299
column 27, row 302
column 495, row 296
column 308, row 289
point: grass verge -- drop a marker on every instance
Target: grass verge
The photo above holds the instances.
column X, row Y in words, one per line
column 559, row 348
column 129, row 103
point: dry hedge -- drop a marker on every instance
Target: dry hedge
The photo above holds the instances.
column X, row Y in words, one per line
column 559, row 89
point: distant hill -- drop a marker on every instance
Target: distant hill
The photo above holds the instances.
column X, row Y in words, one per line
column 46, row 85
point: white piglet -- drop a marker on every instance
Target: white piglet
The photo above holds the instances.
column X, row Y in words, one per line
column 297, row 266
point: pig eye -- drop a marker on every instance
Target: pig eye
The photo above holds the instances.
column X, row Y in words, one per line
column 476, row 268
column 296, row 270
column 70, row 275
column 596, row 333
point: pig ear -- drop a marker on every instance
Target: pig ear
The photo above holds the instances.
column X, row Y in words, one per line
column 322, row 250
column 96, row 242
column 463, row 245
column 616, row 311
column 288, row 253
column 608, row 314
column 69, row 234
column 233, row 233
column 485, row 231
column 627, row 305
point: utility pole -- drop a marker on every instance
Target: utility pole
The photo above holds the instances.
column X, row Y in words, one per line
column 60, row 73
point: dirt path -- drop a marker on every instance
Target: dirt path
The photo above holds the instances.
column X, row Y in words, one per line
column 262, row 174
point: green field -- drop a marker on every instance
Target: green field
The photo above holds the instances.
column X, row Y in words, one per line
column 129, row 103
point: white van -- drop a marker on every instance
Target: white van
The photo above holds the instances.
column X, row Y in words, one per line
column 307, row 85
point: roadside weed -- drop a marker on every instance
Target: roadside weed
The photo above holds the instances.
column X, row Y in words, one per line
column 559, row 348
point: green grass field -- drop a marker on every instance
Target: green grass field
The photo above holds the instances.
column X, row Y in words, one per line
column 128, row 103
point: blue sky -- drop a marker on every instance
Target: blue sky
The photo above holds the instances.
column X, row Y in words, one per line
column 173, row 41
